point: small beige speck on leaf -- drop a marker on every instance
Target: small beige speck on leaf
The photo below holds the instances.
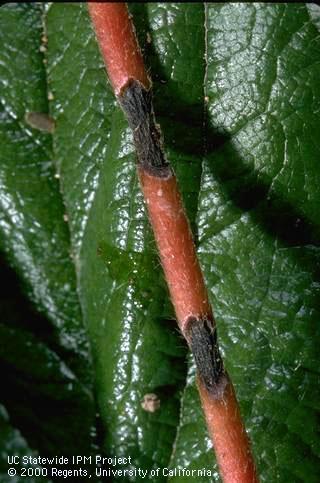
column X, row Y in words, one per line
column 150, row 403
column 41, row 121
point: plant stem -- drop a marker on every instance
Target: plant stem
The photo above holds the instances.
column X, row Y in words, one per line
column 174, row 239
column 118, row 44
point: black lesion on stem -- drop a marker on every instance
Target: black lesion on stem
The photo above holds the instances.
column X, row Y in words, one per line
column 201, row 335
column 136, row 102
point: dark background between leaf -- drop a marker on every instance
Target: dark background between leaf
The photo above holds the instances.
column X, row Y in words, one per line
column 86, row 323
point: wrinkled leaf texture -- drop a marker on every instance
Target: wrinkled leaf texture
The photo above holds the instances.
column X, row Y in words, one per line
column 87, row 328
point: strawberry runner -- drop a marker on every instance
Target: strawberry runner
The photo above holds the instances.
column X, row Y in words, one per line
column 132, row 86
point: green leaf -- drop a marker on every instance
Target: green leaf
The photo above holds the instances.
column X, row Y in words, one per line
column 44, row 358
column 258, row 228
column 235, row 91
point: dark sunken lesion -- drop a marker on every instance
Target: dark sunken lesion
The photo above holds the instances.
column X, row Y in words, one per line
column 202, row 339
column 136, row 102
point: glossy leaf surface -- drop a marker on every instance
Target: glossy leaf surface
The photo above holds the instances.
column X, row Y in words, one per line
column 236, row 94
column 45, row 361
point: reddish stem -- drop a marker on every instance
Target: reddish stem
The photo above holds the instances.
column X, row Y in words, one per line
column 118, row 44
column 189, row 297
column 172, row 232
column 230, row 440
column 176, row 247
